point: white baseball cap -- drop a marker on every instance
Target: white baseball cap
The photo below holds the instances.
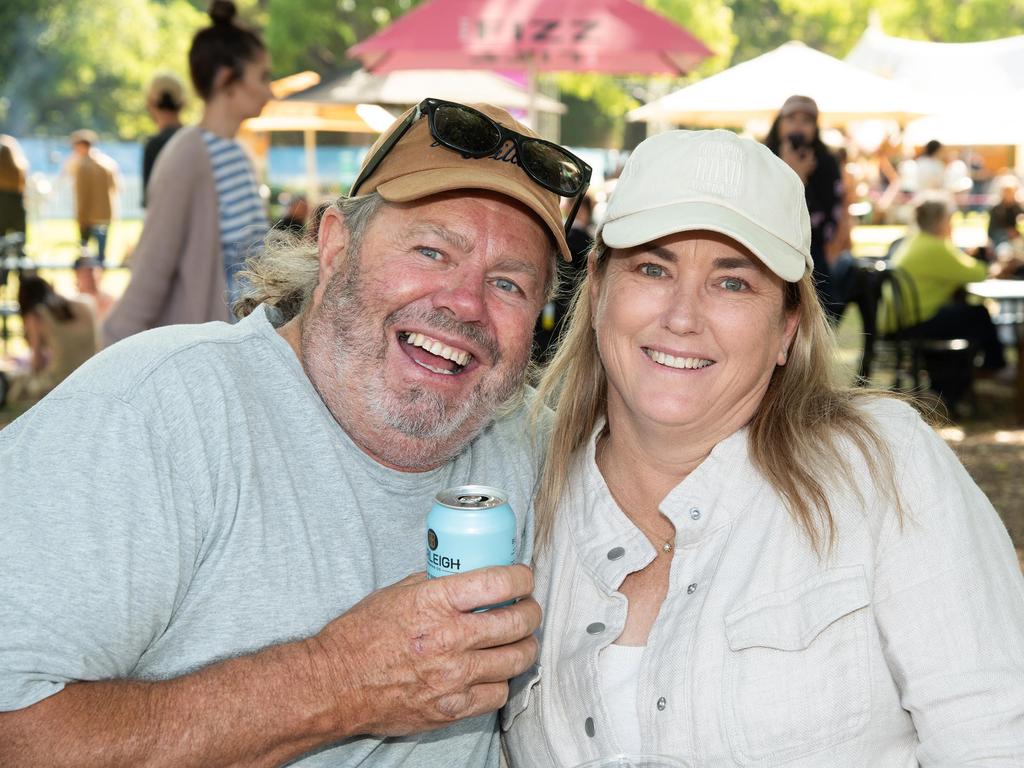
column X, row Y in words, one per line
column 679, row 181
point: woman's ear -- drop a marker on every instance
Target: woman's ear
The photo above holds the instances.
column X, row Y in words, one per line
column 788, row 334
column 225, row 76
column 594, row 283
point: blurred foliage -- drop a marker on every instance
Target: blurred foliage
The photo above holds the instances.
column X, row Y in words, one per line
column 70, row 65
column 66, row 64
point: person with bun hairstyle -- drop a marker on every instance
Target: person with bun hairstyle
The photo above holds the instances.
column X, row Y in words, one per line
column 204, row 212
column 164, row 101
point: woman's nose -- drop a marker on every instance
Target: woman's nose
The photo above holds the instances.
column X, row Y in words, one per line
column 684, row 311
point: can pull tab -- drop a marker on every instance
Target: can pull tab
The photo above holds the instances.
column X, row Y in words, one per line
column 472, row 501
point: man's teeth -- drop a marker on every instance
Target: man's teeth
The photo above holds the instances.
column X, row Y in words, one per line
column 433, row 346
column 677, row 362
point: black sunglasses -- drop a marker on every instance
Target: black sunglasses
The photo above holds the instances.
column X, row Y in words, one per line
column 471, row 133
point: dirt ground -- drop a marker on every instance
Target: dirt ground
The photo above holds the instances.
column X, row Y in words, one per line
column 990, row 443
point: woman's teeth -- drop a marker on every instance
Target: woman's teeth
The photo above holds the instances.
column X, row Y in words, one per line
column 677, row 362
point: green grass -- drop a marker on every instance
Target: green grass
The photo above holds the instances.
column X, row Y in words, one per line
column 56, row 240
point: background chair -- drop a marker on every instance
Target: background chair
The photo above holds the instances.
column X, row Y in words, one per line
column 891, row 302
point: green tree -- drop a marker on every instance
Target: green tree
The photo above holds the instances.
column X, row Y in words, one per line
column 87, row 64
column 315, row 34
column 952, row 22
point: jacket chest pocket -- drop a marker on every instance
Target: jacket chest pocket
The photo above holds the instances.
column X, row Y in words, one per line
column 797, row 677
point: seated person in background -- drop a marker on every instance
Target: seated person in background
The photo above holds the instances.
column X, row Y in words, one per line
column 88, row 275
column 1002, row 217
column 61, row 335
column 939, row 270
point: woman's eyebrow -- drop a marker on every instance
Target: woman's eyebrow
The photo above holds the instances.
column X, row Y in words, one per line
column 734, row 262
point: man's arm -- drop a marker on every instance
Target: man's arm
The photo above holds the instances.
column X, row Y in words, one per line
column 407, row 658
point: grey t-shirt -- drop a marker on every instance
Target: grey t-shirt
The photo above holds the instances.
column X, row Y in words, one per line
column 186, row 497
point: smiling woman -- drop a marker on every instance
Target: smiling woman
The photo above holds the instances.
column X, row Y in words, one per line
column 778, row 546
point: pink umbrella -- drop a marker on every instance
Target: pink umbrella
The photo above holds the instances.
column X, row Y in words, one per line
column 609, row 36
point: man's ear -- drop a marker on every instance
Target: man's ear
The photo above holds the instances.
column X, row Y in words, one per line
column 332, row 250
column 332, row 243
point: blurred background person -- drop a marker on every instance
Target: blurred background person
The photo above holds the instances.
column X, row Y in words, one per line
column 795, row 137
column 13, row 170
column 95, row 183
column 205, row 214
column 165, row 99
column 1003, row 216
column 296, row 212
column 88, row 276
column 61, row 335
column 930, row 167
column 552, row 317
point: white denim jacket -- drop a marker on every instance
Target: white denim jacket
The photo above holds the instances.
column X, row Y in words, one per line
column 904, row 646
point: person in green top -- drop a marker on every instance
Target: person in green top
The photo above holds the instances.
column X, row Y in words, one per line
column 939, row 271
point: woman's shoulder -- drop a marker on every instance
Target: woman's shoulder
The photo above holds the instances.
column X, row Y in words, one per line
column 898, row 425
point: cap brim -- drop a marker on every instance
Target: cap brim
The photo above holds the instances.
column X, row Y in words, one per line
column 414, row 186
column 782, row 258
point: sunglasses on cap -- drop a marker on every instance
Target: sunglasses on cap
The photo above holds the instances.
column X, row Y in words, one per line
column 471, row 133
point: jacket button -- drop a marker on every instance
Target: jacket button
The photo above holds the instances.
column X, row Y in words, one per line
column 691, row 589
column 662, row 703
column 595, row 629
column 588, row 726
column 695, row 514
column 616, row 553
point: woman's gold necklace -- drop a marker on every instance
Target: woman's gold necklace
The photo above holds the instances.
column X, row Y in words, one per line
column 666, row 545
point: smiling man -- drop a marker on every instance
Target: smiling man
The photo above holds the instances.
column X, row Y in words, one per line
column 208, row 530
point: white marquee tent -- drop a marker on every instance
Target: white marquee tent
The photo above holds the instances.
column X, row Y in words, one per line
column 756, row 89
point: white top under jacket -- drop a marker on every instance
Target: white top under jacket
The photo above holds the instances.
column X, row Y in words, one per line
column 904, row 646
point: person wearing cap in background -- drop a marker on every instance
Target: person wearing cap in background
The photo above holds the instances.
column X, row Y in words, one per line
column 794, row 136
column 165, row 99
column 740, row 560
column 95, row 181
column 218, row 572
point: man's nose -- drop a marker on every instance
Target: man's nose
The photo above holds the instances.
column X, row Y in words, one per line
column 462, row 294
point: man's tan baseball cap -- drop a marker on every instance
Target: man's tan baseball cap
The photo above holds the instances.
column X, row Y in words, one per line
column 417, row 166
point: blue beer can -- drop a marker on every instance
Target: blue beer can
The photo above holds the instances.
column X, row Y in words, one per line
column 468, row 527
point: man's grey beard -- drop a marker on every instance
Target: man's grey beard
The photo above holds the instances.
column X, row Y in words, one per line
column 443, row 428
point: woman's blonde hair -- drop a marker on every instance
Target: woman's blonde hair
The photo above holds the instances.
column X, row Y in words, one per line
column 792, row 439
column 285, row 274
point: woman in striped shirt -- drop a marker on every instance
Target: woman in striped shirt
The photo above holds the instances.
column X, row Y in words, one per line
column 205, row 215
